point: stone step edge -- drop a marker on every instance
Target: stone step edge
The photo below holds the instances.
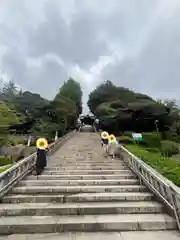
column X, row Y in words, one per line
column 85, row 164
column 88, row 172
column 80, row 187
column 83, row 181
column 33, row 209
column 80, row 205
column 82, row 171
column 123, row 235
column 81, row 197
column 85, row 176
column 94, row 223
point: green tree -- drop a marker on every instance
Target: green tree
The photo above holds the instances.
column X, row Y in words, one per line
column 58, row 114
column 122, row 109
column 173, row 106
column 72, row 90
column 7, row 116
column 9, row 90
column 103, row 93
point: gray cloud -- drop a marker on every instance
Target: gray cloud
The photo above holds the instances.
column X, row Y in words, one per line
column 78, row 43
column 154, row 70
column 43, row 44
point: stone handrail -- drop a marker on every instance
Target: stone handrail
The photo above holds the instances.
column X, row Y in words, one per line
column 18, row 171
column 164, row 189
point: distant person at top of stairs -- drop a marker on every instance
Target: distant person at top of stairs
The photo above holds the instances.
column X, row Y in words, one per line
column 78, row 125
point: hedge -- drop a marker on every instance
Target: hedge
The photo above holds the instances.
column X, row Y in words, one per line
column 152, row 140
column 169, row 148
column 126, row 140
column 168, row 167
column 5, row 161
column 4, row 169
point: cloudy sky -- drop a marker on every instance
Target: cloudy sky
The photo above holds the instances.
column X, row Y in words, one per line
column 134, row 43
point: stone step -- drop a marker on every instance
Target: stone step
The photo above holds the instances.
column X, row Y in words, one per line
column 95, row 159
column 88, row 167
column 46, row 209
column 78, row 177
column 91, row 161
column 59, row 166
column 86, row 223
column 78, row 182
column 80, row 197
column 77, row 189
column 123, row 235
column 83, row 172
column 84, row 166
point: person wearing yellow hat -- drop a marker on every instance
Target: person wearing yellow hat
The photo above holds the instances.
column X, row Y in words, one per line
column 112, row 145
column 105, row 141
column 41, row 161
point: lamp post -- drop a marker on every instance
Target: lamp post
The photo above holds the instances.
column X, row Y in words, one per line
column 156, row 123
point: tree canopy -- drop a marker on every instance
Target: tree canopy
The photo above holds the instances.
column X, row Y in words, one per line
column 57, row 114
column 121, row 109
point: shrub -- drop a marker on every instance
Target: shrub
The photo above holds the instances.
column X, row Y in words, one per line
column 152, row 140
column 33, row 142
column 4, row 169
column 126, row 140
column 128, row 133
column 154, row 150
column 5, row 161
column 21, row 141
column 3, row 140
column 169, row 148
column 168, row 167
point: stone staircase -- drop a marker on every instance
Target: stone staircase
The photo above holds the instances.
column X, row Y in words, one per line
column 81, row 191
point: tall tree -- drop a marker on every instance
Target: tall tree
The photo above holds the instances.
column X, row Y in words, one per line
column 9, row 90
column 72, row 89
column 123, row 109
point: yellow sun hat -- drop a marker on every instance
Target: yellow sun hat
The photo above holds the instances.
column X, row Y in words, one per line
column 112, row 138
column 104, row 135
column 41, row 143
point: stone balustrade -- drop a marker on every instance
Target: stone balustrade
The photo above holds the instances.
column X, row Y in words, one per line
column 165, row 190
column 18, row 171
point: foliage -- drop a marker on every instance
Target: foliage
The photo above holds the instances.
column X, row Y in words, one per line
column 15, row 140
column 3, row 140
column 174, row 132
column 169, row 148
column 120, row 109
column 47, row 116
column 168, row 167
column 2, row 169
column 7, row 116
column 30, row 104
column 5, row 161
column 172, row 105
column 67, row 103
column 71, row 90
column 152, row 140
column 126, row 140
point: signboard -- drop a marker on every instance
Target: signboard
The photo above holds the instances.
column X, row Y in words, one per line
column 137, row 136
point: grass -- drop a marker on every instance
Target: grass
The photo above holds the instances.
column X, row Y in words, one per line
column 167, row 166
column 2, row 169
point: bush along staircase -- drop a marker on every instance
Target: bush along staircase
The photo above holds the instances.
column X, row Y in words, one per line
column 82, row 191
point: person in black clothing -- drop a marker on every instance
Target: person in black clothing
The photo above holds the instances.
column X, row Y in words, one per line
column 41, row 161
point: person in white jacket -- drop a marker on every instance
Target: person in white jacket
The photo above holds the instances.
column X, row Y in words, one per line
column 112, row 146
